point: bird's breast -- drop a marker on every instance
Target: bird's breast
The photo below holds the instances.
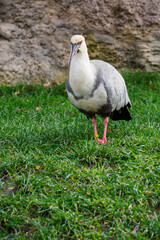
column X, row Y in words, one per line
column 90, row 103
column 81, row 83
column 81, row 77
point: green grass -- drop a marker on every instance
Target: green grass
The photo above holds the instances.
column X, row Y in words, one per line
column 57, row 183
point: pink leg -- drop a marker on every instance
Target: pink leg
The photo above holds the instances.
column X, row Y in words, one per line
column 94, row 121
column 104, row 140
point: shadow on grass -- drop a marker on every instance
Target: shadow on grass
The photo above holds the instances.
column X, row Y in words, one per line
column 77, row 144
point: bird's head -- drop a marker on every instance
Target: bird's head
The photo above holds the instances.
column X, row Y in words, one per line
column 78, row 45
column 78, row 42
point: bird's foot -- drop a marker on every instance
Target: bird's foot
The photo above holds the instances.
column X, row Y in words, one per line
column 102, row 140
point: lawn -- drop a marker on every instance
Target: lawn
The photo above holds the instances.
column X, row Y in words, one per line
column 57, row 183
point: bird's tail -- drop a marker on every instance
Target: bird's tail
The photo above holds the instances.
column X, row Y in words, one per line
column 121, row 114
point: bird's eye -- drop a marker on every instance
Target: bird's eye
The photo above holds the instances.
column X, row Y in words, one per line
column 78, row 51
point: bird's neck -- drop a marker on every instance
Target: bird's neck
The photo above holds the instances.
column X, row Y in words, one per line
column 82, row 74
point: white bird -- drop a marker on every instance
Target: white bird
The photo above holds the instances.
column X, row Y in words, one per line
column 96, row 87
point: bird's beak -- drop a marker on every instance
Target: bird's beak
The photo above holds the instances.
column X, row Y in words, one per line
column 74, row 50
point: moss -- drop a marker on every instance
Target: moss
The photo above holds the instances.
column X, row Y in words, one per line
column 102, row 51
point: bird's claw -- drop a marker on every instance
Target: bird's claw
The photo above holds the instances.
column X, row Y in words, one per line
column 101, row 140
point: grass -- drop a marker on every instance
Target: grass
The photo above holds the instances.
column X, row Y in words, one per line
column 57, row 183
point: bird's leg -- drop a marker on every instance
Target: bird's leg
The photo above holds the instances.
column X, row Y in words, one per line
column 94, row 121
column 104, row 140
column 105, row 129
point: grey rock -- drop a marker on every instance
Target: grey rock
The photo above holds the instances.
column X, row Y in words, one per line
column 35, row 35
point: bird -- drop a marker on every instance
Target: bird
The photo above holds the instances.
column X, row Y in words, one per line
column 96, row 88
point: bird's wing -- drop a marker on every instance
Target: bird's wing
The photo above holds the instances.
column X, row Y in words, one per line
column 114, row 84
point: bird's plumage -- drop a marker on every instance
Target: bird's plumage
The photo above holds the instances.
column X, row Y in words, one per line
column 107, row 96
column 95, row 87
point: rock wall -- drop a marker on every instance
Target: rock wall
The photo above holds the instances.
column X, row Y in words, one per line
column 35, row 35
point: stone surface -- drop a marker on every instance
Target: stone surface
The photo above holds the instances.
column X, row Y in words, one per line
column 35, row 35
